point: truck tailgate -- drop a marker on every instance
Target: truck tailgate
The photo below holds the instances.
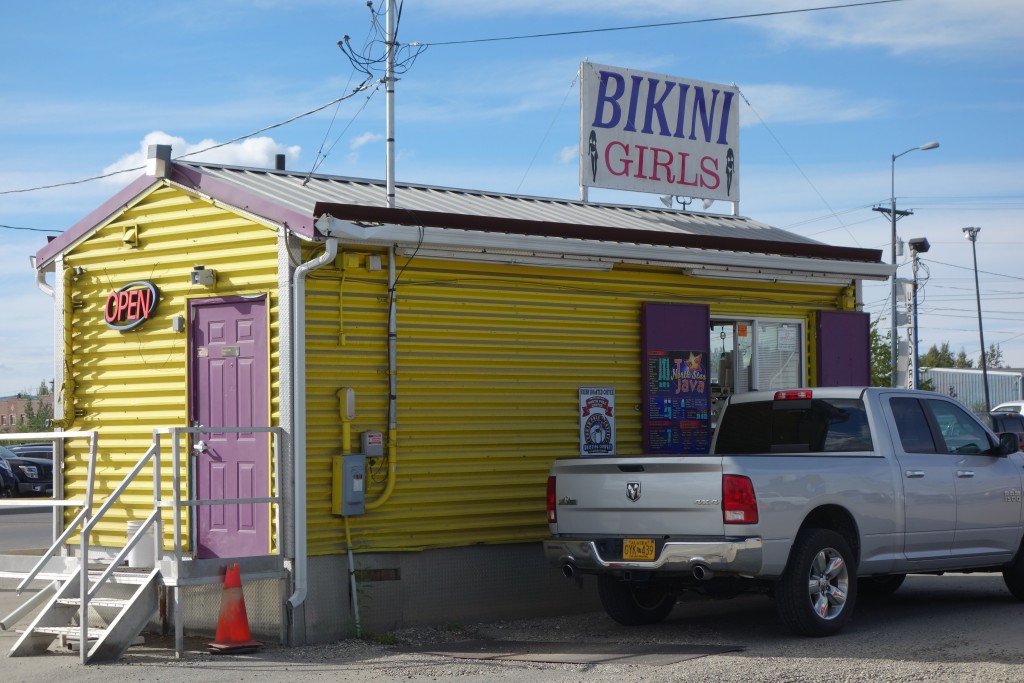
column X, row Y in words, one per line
column 673, row 495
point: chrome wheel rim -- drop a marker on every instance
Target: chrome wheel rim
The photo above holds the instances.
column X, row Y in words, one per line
column 827, row 583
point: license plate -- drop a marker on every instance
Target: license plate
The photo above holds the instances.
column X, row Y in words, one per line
column 637, row 549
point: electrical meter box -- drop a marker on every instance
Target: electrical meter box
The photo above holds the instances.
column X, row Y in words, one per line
column 348, row 485
column 372, row 444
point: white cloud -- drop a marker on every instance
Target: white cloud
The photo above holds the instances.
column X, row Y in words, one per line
column 904, row 27
column 898, row 27
column 365, row 139
column 569, row 154
column 774, row 102
column 254, row 152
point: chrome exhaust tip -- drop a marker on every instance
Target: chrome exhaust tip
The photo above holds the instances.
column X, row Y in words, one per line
column 702, row 572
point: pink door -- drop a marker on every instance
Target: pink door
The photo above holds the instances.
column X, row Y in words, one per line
column 230, row 388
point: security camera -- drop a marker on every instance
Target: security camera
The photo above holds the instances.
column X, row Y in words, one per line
column 920, row 245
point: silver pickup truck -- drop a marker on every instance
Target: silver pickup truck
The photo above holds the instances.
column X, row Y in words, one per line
column 809, row 495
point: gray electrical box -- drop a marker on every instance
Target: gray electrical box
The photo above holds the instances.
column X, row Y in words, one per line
column 372, row 444
column 348, row 485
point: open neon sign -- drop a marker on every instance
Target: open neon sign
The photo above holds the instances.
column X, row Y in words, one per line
column 130, row 306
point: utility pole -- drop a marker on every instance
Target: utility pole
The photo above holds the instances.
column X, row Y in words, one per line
column 893, row 214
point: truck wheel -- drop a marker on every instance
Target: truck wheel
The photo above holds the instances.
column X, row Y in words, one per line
column 634, row 604
column 817, row 591
column 880, row 585
column 1013, row 575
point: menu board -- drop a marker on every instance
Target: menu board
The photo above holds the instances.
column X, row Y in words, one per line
column 678, row 402
column 677, row 388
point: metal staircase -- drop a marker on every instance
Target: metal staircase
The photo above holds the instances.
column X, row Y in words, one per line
column 127, row 616
column 106, row 608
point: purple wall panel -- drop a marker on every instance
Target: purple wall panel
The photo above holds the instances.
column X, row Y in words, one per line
column 844, row 349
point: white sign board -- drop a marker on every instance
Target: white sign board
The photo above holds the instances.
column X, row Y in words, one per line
column 597, row 421
column 647, row 132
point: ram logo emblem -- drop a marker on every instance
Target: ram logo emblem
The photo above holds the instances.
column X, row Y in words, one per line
column 633, row 490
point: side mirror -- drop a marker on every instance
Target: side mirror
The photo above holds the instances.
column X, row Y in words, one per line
column 1009, row 442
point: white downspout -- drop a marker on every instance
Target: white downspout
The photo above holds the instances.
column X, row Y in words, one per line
column 299, row 406
column 41, row 281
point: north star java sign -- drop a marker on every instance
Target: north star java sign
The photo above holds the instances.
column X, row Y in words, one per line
column 130, row 306
column 646, row 132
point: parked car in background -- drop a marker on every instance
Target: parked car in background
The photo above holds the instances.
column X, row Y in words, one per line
column 1009, row 407
column 8, row 483
column 33, row 450
column 1007, row 422
column 34, row 475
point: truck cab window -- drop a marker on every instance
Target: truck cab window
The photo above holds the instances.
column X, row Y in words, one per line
column 960, row 431
column 912, row 425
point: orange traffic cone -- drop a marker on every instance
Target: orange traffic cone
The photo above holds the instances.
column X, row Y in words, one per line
column 233, row 625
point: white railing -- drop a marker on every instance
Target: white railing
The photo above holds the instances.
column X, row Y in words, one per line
column 58, row 534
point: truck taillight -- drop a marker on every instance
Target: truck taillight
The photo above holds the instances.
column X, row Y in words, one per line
column 739, row 505
column 552, row 512
column 794, row 395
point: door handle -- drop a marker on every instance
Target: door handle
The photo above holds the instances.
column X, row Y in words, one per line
column 914, row 474
column 964, row 474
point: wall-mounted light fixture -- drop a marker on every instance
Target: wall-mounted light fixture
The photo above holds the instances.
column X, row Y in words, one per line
column 203, row 276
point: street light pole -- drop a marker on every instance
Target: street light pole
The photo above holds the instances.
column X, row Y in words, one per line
column 895, row 215
column 972, row 235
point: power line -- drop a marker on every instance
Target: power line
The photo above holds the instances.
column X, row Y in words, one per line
column 663, row 24
column 986, row 272
column 362, row 86
column 18, row 227
column 795, row 164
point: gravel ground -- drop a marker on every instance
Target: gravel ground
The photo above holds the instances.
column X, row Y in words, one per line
column 953, row 628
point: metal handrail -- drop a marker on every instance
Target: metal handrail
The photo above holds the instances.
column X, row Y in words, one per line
column 85, row 504
column 88, row 521
column 175, row 434
column 83, row 575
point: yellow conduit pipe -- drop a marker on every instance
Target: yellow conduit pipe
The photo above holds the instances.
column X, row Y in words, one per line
column 389, row 488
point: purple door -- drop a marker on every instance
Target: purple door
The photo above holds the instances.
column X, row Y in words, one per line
column 230, row 388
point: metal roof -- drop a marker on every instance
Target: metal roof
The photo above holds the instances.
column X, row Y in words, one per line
column 296, row 200
column 300, row 192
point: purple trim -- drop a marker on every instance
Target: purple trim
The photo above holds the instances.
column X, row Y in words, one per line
column 97, row 216
column 192, row 179
column 243, row 199
column 520, row 226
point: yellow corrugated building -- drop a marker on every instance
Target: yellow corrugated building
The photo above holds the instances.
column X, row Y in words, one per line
column 464, row 325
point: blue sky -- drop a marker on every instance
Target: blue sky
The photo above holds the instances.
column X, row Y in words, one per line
column 832, row 95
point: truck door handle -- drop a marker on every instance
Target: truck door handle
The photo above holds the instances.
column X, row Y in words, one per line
column 914, row 474
column 965, row 474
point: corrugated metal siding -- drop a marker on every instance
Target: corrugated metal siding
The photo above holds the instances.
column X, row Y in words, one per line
column 490, row 359
column 129, row 383
column 969, row 388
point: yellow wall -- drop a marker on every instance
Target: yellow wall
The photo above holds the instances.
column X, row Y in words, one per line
column 490, row 359
column 128, row 383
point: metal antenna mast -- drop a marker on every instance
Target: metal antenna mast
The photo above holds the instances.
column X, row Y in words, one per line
column 391, row 45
